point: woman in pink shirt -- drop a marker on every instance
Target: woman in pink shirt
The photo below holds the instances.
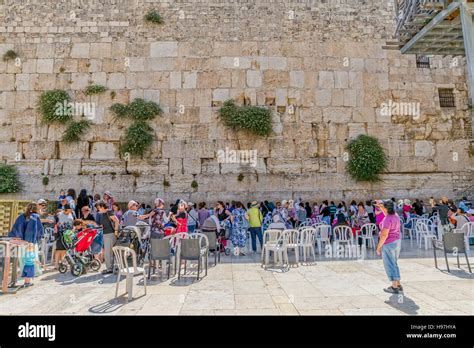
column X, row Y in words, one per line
column 389, row 245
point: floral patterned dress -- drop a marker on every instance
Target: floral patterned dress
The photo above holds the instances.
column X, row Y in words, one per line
column 157, row 223
column 239, row 232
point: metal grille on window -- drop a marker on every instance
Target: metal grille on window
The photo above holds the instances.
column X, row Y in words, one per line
column 446, row 97
column 422, row 61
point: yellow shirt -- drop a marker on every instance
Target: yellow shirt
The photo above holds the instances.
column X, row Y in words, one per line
column 255, row 217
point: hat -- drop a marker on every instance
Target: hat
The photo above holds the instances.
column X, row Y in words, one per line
column 191, row 204
column 41, row 201
column 130, row 204
column 108, row 193
column 254, row 203
column 407, row 202
column 283, row 202
column 159, row 200
column 67, row 206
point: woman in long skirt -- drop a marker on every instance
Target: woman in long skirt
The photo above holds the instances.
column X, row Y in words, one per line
column 239, row 232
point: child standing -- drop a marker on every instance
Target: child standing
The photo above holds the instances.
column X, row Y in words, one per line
column 29, row 261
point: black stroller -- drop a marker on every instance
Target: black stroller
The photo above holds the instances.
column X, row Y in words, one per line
column 136, row 238
column 222, row 234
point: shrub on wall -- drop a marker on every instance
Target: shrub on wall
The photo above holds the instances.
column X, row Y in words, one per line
column 75, row 130
column 139, row 136
column 94, row 89
column 367, row 159
column 9, row 55
column 153, row 17
column 9, row 182
column 53, row 106
column 254, row 119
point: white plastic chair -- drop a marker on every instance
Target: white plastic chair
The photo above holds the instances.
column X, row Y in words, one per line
column 468, row 230
column 45, row 245
column 367, row 232
column 423, row 232
column 343, row 235
column 272, row 242
column 307, row 240
column 323, row 232
column 122, row 255
column 411, row 222
column 292, row 238
column 429, row 223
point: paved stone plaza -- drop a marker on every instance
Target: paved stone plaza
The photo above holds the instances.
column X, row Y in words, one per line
column 238, row 285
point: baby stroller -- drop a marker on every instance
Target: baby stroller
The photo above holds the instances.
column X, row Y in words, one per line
column 131, row 237
column 222, row 231
column 79, row 255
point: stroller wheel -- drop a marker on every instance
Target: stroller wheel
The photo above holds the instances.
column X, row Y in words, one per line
column 227, row 251
column 77, row 269
column 95, row 265
column 62, row 268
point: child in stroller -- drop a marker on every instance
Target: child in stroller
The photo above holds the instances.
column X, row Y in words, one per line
column 222, row 230
column 79, row 254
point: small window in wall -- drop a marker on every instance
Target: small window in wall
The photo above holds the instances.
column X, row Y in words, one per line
column 446, row 97
column 422, row 61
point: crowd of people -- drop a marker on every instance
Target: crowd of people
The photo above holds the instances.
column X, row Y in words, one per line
column 84, row 210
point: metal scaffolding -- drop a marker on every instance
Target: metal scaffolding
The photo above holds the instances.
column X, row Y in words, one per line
column 436, row 27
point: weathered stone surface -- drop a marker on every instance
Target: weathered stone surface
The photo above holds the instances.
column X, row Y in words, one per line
column 324, row 81
column 104, row 150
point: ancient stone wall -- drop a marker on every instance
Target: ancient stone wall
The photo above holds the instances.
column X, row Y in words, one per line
column 319, row 65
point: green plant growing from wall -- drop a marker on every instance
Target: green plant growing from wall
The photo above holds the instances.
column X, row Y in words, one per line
column 45, row 181
column 75, row 130
column 9, row 181
column 9, row 55
column 367, row 159
column 241, row 177
column 139, row 136
column 153, row 17
column 254, row 119
column 166, row 183
column 194, row 184
column 95, row 89
column 53, row 106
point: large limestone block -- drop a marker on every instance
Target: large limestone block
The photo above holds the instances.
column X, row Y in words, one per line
column 9, row 150
column 254, row 78
column 175, row 166
column 424, row 148
column 326, row 79
column 39, row 150
column 164, row 49
column 150, row 184
column 337, row 114
column 284, row 166
column 148, row 166
column 32, row 167
column 191, row 165
column 103, row 166
column 104, row 150
column 80, row 50
column 114, row 183
column 78, row 150
column 173, row 148
column 44, row 66
column 199, row 148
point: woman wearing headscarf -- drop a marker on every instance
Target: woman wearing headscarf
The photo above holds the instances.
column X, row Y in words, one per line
column 158, row 217
column 65, row 220
column 28, row 227
column 109, row 199
column 82, row 201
